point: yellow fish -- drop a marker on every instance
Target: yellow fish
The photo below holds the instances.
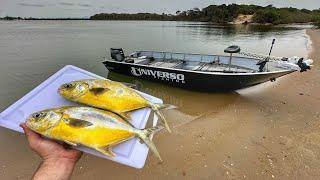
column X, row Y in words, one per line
column 109, row 95
column 90, row 127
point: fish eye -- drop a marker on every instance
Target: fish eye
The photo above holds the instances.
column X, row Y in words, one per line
column 69, row 85
column 38, row 115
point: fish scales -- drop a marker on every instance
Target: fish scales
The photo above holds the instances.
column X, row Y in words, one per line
column 91, row 127
column 108, row 95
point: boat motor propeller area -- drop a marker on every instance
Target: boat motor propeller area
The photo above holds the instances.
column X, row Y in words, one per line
column 304, row 66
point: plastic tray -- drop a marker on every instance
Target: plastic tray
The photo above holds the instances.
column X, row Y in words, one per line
column 131, row 153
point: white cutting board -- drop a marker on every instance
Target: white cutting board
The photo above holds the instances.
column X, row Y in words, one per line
column 131, row 152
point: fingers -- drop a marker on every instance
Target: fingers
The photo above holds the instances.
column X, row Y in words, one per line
column 32, row 137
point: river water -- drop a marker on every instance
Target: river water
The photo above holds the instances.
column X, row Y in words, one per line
column 31, row 51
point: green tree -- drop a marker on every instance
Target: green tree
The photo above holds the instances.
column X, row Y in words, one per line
column 266, row 16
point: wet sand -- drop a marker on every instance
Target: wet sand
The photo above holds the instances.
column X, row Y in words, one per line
column 269, row 131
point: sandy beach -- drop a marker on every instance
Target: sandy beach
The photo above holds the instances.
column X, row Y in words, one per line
column 265, row 132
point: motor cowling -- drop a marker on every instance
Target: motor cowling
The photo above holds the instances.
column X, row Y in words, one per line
column 304, row 66
column 117, row 54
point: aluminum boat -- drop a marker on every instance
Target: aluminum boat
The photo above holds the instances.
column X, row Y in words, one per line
column 205, row 72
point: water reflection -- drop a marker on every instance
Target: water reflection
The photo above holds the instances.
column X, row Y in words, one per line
column 254, row 38
column 189, row 102
column 31, row 51
column 238, row 30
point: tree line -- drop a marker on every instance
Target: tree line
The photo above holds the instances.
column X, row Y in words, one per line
column 213, row 13
column 224, row 14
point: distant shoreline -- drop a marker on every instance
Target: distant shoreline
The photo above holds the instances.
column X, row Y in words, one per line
column 228, row 23
column 217, row 14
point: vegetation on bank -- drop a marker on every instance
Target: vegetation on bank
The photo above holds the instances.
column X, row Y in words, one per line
column 224, row 14
column 317, row 24
column 215, row 14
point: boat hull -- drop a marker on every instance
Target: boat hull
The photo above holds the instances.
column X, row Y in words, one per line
column 194, row 80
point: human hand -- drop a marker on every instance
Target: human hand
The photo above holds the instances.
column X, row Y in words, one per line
column 48, row 149
column 58, row 160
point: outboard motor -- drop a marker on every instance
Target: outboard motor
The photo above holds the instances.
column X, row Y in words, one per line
column 299, row 64
column 303, row 65
column 117, row 54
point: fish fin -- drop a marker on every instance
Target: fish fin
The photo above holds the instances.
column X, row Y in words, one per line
column 156, row 108
column 125, row 115
column 106, row 150
column 77, row 122
column 165, row 106
column 70, row 143
column 99, row 90
column 133, row 86
column 146, row 136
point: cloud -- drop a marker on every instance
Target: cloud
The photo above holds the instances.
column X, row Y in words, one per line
column 84, row 5
column 66, row 4
column 73, row 4
column 31, row 5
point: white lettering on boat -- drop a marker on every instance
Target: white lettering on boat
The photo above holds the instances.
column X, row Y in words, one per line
column 174, row 77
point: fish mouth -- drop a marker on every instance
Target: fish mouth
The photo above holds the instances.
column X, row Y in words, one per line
column 60, row 90
column 28, row 123
column 64, row 93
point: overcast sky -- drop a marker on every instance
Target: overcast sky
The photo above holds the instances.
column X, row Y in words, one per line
column 82, row 8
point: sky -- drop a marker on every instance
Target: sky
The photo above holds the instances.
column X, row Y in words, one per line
column 86, row 8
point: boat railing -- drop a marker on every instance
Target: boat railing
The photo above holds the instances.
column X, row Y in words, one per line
column 180, row 56
column 196, row 58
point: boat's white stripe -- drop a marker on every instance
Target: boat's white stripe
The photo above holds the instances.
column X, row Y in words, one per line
column 200, row 72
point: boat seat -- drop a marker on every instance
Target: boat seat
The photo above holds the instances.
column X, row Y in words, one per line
column 232, row 49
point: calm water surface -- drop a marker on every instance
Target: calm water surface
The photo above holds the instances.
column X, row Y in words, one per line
column 30, row 51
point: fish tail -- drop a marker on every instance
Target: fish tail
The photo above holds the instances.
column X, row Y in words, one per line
column 165, row 106
column 146, row 136
column 156, row 108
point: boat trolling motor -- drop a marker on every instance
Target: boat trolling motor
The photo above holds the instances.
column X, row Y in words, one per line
column 262, row 63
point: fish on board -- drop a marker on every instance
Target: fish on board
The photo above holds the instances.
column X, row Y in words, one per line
column 110, row 95
column 94, row 128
